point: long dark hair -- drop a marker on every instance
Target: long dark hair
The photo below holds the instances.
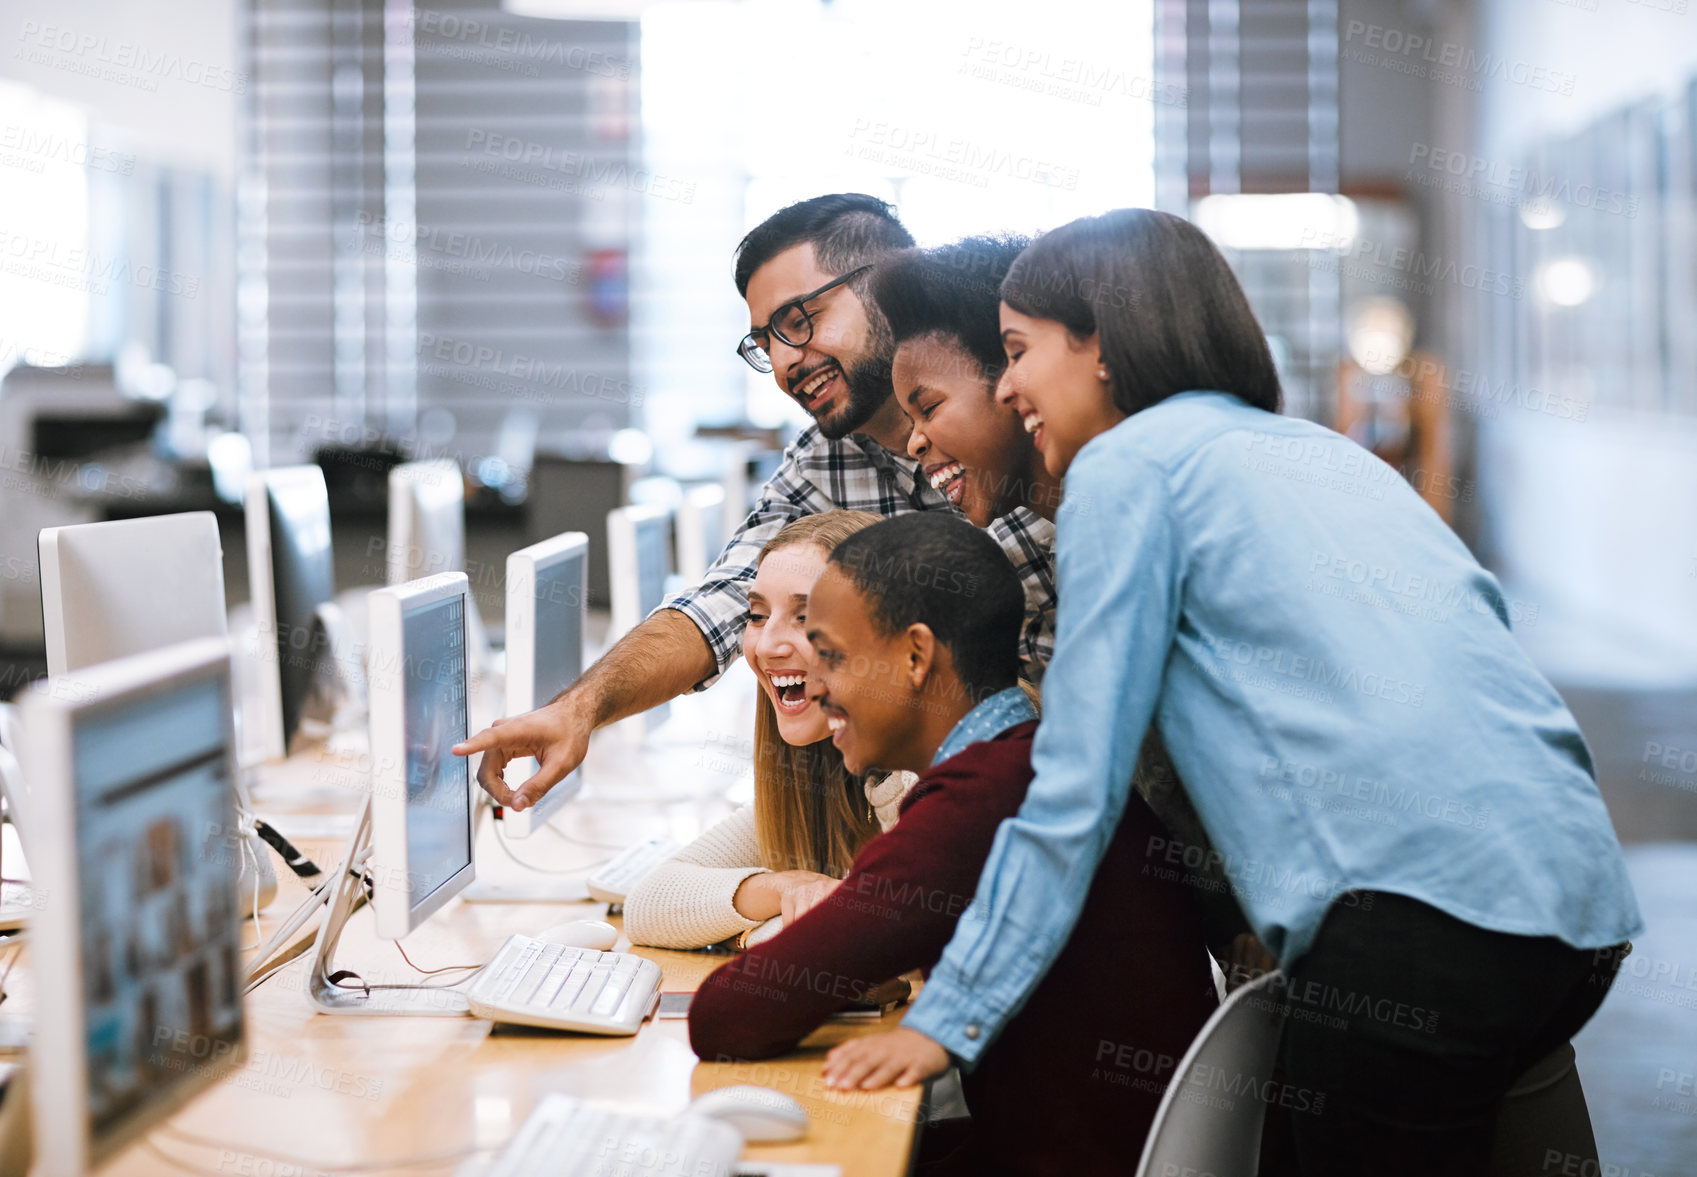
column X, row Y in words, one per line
column 1167, row 310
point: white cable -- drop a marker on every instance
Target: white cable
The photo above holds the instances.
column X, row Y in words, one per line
column 501, row 840
column 249, row 855
column 289, row 927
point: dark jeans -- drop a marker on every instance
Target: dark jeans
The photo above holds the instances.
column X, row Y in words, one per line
column 1410, row 1026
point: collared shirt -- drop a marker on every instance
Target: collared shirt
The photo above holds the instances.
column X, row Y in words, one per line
column 986, row 721
column 1336, row 682
column 857, row 474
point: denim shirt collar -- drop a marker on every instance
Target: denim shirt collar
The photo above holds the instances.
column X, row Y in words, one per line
column 986, row 721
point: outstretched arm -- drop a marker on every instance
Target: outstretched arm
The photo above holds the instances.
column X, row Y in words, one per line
column 661, row 658
column 1120, row 562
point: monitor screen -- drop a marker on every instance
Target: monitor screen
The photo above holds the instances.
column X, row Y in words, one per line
column 559, row 626
column 438, row 818
column 653, row 562
column 159, row 927
column 302, row 578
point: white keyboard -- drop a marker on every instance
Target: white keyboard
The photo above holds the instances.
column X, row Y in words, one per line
column 566, row 1137
column 534, row 983
column 611, row 883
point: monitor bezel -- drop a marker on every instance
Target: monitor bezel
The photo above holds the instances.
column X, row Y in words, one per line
column 524, row 568
column 396, row 915
column 49, row 714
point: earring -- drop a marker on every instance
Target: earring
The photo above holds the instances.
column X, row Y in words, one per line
column 1102, row 374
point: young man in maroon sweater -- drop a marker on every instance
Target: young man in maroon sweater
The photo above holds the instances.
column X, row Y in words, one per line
column 915, row 626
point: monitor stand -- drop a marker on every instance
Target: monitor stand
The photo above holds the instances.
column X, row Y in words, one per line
column 347, row 997
column 534, row 888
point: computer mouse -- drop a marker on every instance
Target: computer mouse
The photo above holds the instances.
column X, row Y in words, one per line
column 582, row 934
column 759, row 1113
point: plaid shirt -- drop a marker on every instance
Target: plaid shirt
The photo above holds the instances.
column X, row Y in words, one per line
column 858, row 474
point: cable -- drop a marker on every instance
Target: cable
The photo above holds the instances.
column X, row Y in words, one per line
column 19, row 941
column 577, row 841
column 415, row 1162
column 292, row 858
column 258, row 928
column 501, row 840
column 320, row 895
column 283, row 962
column 450, row 968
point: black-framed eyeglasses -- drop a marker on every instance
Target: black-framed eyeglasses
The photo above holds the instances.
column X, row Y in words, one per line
column 790, row 323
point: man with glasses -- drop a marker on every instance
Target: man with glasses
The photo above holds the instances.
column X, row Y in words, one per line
column 802, row 272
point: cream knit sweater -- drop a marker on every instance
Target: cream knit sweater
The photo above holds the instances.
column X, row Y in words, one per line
column 685, row 902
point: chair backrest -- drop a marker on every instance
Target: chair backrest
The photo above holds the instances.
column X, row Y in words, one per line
column 1210, row 1118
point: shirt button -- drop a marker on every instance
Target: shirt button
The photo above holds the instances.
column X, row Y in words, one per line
column 972, row 1030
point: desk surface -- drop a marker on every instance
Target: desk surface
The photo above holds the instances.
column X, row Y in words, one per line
column 320, row 1090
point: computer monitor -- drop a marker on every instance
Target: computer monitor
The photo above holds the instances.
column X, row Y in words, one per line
column 421, row 803
column 133, row 763
column 547, row 607
column 701, row 530
column 109, row 590
column 426, row 520
column 639, row 559
column 291, row 577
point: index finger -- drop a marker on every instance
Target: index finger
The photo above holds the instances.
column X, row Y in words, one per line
column 483, row 741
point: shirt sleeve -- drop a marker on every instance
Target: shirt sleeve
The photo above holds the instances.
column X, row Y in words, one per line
column 687, row 901
column 1120, row 574
column 893, row 913
column 719, row 604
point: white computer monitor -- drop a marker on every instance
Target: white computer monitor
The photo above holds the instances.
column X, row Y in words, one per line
column 109, row 590
column 547, row 608
column 421, row 801
column 426, row 520
column 291, row 578
column 701, row 530
column 639, row 560
column 132, row 763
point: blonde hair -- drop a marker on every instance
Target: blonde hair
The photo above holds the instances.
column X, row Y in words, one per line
column 810, row 812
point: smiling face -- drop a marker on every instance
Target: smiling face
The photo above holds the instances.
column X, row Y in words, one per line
column 839, row 375
column 878, row 692
column 972, row 449
column 1053, row 384
column 775, row 642
column 863, row 680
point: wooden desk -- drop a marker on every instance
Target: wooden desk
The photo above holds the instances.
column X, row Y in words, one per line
column 345, row 1090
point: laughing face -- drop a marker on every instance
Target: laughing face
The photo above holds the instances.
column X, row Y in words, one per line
column 970, row 448
column 1053, row 384
column 841, row 376
column 775, row 642
column 864, row 681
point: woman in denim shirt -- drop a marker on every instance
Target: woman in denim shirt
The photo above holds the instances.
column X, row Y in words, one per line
column 1404, row 805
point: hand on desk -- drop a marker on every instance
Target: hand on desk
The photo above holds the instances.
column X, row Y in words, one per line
column 900, row 1058
column 798, row 901
column 556, row 735
column 764, row 895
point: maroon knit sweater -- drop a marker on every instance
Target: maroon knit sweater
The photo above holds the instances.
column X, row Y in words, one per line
column 1072, row 1084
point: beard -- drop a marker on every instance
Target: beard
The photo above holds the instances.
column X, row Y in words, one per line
column 868, row 384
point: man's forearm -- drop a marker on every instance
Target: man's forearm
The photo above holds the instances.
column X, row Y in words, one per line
column 659, row 660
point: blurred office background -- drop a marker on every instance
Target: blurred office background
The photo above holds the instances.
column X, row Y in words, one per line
column 244, row 233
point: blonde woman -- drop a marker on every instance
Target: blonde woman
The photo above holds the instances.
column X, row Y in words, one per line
column 810, row 815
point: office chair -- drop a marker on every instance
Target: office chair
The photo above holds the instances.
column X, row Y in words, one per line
column 1219, row 1132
